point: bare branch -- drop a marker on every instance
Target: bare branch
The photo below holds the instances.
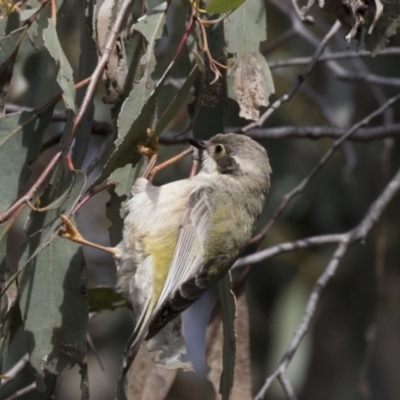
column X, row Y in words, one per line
column 15, row 370
column 323, row 132
column 114, row 32
column 287, row 248
column 287, row 386
column 370, row 78
column 340, row 55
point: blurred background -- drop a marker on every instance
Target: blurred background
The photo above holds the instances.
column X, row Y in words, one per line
column 352, row 350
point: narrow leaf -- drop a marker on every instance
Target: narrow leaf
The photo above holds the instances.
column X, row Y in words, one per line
column 249, row 80
column 176, row 103
column 137, row 112
column 20, row 140
column 104, row 298
column 65, row 74
column 228, row 308
column 223, row 6
column 55, row 323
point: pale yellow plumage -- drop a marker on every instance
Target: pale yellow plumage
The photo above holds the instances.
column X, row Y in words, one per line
column 180, row 238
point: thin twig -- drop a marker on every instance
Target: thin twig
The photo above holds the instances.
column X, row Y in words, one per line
column 301, row 132
column 33, row 190
column 340, row 55
column 15, row 370
column 300, row 79
column 195, row 162
column 308, row 19
column 170, row 161
column 114, row 32
column 287, row 248
column 287, row 386
column 370, row 78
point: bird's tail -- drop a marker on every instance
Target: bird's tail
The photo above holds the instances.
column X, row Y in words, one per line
column 132, row 348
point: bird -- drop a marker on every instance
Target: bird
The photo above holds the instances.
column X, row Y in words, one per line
column 180, row 238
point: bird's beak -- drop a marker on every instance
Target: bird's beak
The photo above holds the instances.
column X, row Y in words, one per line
column 199, row 144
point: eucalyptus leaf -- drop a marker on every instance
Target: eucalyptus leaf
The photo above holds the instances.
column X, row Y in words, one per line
column 385, row 27
column 228, row 308
column 54, row 307
column 65, row 74
column 10, row 322
column 249, row 80
column 223, row 6
column 104, row 298
column 84, row 373
column 20, row 141
column 26, row 14
column 87, row 64
column 124, row 178
column 53, row 295
column 176, row 103
column 9, row 46
column 138, row 111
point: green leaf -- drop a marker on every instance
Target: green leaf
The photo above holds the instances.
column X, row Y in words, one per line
column 249, row 80
column 228, row 308
column 65, row 74
column 9, row 46
column 125, row 178
column 138, row 111
column 20, row 140
column 104, row 298
column 55, row 324
column 223, row 6
column 176, row 103
column 87, row 64
column 84, row 373
column 10, row 322
column 54, row 308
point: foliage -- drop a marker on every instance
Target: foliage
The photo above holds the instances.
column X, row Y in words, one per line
column 84, row 83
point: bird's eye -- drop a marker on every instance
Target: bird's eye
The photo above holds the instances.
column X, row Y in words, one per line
column 219, row 149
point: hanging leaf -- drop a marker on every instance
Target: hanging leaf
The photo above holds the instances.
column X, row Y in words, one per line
column 249, row 80
column 104, row 298
column 9, row 46
column 65, row 74
column 228, row 309
column 20, row 141
column 223, row 6
column 138, row 111
column 386, row 26
column 55, row 325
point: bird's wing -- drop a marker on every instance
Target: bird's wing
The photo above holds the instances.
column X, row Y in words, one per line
column 186, row 269
column 184, row 282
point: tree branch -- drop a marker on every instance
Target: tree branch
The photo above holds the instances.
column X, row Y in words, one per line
column 358, row 233
column 340, row 55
